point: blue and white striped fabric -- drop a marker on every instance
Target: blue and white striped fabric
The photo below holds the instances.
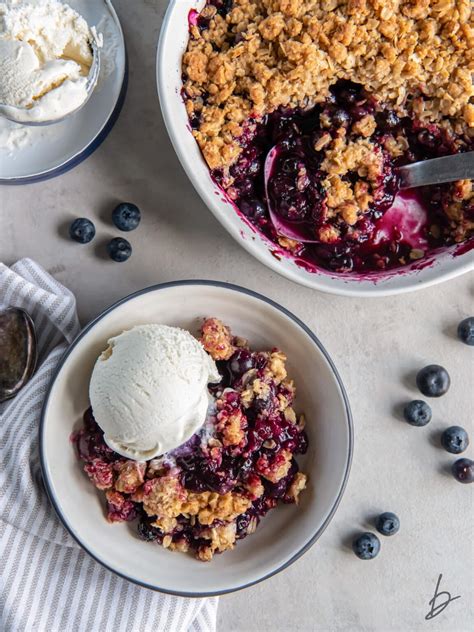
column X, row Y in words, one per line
column 48, row 583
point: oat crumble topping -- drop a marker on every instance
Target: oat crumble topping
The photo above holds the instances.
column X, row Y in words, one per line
column 269, row 53
column 345, row 91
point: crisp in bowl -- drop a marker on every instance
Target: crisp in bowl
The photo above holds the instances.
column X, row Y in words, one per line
column 282, row 536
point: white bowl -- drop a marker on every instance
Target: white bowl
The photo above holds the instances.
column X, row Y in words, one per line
column 283, row 535
column 441, row 266
column 55, row 149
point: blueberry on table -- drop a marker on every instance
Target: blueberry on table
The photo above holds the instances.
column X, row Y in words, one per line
column 455, row 439
column 387, row 523
column 126, row 216
column 366, row 546
column 463, row 470
column 119, row 249
column 417, row 413
column 433, row 380
column 82, row 230
column 466, row 331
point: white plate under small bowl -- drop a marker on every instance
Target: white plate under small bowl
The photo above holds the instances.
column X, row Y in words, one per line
column 55, row 149
column 439, row 266
column 286, row 532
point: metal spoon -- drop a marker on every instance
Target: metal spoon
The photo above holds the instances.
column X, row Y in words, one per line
column 18, row 352
column 418, row 174
column 20, row 114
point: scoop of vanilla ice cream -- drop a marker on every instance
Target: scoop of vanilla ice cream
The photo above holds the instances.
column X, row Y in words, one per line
column 45, row 59
column 148, row 390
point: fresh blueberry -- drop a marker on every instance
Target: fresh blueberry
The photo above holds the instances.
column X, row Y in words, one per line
column 366, row 546
column 433, row 380
column 126, row 216
column 387, row 523
column 466, row 331
column 455, row 439
column 119, row 249
column 82, row 230
column 417, row 413
column 463, row 470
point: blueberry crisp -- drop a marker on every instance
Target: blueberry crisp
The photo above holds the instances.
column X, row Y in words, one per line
column 212, row 491
column 345, row 91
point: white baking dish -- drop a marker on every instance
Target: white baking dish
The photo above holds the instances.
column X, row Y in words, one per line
column 441, row 266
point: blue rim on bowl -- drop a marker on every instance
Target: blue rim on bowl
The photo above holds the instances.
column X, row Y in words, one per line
column 307, row 545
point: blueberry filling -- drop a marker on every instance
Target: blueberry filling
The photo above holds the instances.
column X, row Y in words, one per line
column 356, row 237
column 243, row 456
column 297, row 193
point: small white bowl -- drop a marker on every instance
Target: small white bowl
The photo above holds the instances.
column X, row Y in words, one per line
column 55, row 149
column 440, row 266
column 286, row 532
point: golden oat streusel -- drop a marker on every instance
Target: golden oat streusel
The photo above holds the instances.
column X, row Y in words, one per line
column 263, row 54
column 338, row 94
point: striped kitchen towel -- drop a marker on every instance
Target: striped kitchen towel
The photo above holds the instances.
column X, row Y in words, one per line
column 48, row 583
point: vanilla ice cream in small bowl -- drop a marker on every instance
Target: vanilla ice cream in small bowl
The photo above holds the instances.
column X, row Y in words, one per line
column 49, row 61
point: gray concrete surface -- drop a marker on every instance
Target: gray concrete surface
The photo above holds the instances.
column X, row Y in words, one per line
column 376, row 344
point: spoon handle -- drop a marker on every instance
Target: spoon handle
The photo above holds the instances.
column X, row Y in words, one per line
column 437, row 171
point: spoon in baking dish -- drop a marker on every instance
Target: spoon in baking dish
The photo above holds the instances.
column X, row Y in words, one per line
column 418, row 174
column 20, row 114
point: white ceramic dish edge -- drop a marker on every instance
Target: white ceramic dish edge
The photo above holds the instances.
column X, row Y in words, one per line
column 171, row 45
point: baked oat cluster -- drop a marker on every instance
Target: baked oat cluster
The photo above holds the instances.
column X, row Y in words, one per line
column 346, row 90
column 257, row 55
column 212, row 491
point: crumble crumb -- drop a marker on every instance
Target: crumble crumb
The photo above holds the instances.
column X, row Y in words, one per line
column 165, row 524
column 224, row 507
column 101, row 474
column 119, row 508
column 217, row 339
column 276, row 365
column 166, row 498
column 131, row 474
column 232, row 427
column 222, row 539
column 254, row 487
column 269, row 53
column 276, row 467
column 297, row 486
